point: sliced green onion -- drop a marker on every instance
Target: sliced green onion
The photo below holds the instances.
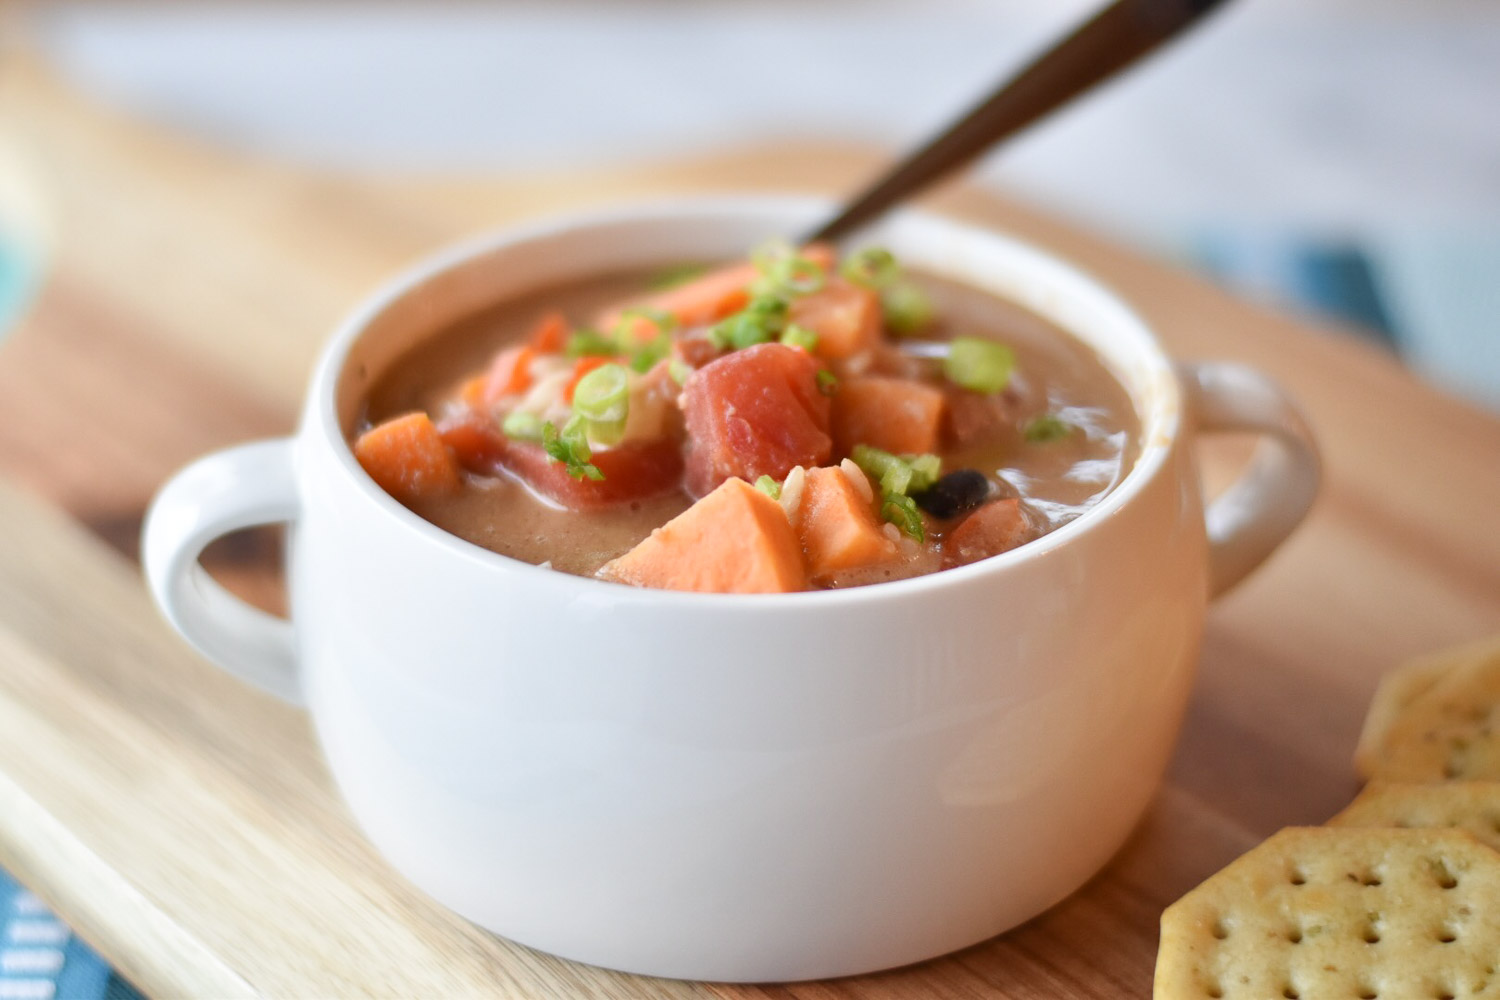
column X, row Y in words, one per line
column 677, row 274
column 758, row 323
column 799, row 336
column 784, row 271
column 769, row 487
column 770, row 253
column 828, row 382
column 926, row 470
column 679, row 370
column 521, row 426
column 907, row 308
column 898, row 474
column 571, row 447
column 902, row 512
column 980, row 365
column 625, row 332
column 873, row 267
column 603, row 395
column 1048, row 428
column 586, row 343
column 645, row 358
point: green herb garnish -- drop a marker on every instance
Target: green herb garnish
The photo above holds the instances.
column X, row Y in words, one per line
column 758, row 323
column 898, row 474
column 902, row 512
column 784, row 271
column 1047, row 428
column 677, row 274
column 586, row 343
column 906, row 307
column 769, row 487
column 799, row 336
column 571, row 447
column 980, row 365
column 602, row 399
column 519, row 425
column 679, row 370
column 828, row 382
column 873, row 267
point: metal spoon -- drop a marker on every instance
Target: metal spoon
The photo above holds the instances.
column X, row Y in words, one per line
column 1113, row 39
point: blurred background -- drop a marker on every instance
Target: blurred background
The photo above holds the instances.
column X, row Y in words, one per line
column 1338, row 155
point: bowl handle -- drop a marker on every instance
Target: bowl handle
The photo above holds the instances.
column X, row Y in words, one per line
column 236, row 488
column 1259, row 510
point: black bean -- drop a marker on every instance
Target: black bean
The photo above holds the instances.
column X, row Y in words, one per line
column 958, row 491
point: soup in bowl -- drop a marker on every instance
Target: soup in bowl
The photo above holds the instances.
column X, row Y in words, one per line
column 802, row 420
column 739, row 786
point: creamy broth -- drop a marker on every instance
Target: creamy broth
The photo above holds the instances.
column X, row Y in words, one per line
column 1054, row 374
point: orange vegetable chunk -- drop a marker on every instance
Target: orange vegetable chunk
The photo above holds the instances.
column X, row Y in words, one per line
column 509, row 373
column 752, row 413
column 895, row 414
column 407, row 458
column 711, row 297
column 845, row 316
column 838, row 525
column 992, row 529
column 550, row 333
column 736, row 540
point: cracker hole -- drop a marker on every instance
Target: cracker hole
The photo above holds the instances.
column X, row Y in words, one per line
column 1368, row 993
column 1371, row 935
column 1447, row 935
column 1297, row 877
column 1294, row 935
column 1215, row 991
column 1220, row 930
column 1290, row 993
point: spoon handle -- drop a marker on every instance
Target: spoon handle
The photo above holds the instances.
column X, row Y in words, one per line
column 1102, row 46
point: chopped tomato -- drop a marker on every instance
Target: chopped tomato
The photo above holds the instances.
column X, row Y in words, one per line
column 631, row 471
column 752, row 413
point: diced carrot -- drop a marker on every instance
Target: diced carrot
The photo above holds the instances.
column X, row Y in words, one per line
column 407, row 458
column 845, row 316
column 509, row 373
column 992, row 529
column 550, row 333
column 471, row 393
column 899, row 415
column 838, row 526
column 713, row 296
column 736, row 540
column 581, row 367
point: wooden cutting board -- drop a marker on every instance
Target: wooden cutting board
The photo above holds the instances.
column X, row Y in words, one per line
column 185, row 824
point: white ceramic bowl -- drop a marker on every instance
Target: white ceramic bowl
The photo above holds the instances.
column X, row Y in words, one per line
column 735, row 787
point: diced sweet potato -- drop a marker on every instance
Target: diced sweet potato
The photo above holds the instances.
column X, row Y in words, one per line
column 632, row 471
column 845, row 316
column 711, row 297
column 752, row 413
column 407, row 458
column 838, row 526
column 996, row 527
column 736, row 540
column 894, row 414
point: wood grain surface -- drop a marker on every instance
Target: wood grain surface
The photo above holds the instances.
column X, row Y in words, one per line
column 185, row 824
